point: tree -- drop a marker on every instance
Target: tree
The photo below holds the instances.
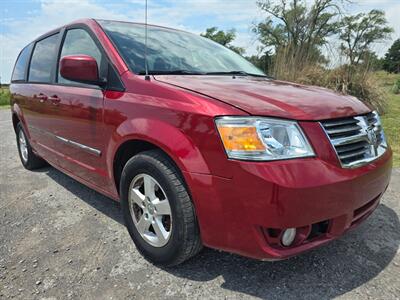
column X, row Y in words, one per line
column 264, row 61
column 296, row 31
column 391, row 62
column 225, row 38
column 360, row 31
column 371, row 61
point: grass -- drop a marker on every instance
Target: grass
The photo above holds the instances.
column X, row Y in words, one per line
column 4, row 97
column 391, row 119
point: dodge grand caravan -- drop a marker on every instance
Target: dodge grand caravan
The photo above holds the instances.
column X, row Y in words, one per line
column 198, row 145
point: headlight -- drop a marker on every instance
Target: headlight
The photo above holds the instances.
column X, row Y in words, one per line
column 380, row 129
column 254, row 138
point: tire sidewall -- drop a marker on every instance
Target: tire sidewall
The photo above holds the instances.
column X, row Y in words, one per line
column 27, row 162
column 143, row 164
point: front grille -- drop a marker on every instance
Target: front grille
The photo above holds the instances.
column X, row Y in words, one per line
column 357, row 140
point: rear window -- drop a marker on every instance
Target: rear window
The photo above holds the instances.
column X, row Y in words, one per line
column 43, row 59
column 19, row 73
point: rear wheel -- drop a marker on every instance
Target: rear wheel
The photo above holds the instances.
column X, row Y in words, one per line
column 157, row 209
column 29, row 159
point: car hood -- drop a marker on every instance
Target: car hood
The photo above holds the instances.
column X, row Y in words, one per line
column 265, row 97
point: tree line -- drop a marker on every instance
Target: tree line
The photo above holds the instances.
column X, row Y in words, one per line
column 298, row 41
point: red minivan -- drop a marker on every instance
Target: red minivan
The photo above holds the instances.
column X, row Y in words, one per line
column 198, row 145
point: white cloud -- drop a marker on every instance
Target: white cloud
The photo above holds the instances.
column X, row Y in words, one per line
column 176, row 13
column 392, row 12
column 393, row 16
column 52, row 14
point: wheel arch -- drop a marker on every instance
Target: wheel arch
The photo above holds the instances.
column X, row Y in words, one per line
column 127, row 150
column 17, row 117
column 184, row 155
column 15, row 121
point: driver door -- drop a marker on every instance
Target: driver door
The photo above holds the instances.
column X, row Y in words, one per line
column 77, row 115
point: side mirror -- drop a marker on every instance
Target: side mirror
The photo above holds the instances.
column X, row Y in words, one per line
column 80, row 68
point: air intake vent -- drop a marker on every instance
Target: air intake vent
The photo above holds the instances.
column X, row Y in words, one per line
column 357, row 140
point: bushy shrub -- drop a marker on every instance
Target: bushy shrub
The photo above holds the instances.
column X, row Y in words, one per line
column 396, row 87
column 4, row 96
column 346, row 80
column 360, row 84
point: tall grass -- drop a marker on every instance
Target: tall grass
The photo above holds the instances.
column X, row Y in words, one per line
column 4, row 96
column 357, row 81
column 391, row 120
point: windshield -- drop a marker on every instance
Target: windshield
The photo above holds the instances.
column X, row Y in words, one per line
column 173, row 52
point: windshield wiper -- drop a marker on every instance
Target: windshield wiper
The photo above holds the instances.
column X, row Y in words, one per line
column 188, row 72
column 172, row 72
column 243, row 73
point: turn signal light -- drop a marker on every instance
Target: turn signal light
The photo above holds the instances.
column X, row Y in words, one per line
column 240, row 138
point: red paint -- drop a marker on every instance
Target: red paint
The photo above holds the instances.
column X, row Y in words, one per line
column 235, row 200
column 80, row 68
column 265, row 97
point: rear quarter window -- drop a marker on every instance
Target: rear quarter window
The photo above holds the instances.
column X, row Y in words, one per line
column 20, row 68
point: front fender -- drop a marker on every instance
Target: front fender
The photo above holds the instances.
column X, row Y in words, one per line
column 165, row 136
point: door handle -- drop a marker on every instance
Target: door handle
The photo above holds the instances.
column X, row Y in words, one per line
column 41, row 97
column 54, row 99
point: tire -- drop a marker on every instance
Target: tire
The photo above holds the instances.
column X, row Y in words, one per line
column 29, row 160
column 180, row 238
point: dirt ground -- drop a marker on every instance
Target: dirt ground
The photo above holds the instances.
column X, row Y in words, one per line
column 61, row 240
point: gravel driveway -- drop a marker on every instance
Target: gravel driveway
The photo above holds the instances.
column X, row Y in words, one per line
column 61, row 240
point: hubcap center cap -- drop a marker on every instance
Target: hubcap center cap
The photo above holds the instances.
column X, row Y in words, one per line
column 149, row 206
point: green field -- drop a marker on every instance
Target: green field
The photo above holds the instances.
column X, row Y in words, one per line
column 4, row 97
column 391, row 119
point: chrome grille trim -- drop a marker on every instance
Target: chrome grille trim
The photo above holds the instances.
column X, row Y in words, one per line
column 351, row 147
column 349, row 140
column 340, row 122
column 357, row 140
column 352, row 154
column 342, row 129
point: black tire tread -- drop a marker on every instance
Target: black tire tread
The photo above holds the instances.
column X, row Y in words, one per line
column 34, row 162
column 191, row 244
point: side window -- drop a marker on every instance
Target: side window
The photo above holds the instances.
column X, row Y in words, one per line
column 44, row 54
column 19, row 73
column 78, row 41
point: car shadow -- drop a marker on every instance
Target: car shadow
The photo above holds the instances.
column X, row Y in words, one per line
column 323, row 273
column 101, row 203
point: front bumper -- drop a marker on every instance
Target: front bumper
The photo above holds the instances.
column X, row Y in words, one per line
column 245, row 214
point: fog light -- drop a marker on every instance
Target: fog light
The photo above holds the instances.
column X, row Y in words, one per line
column 288, row 236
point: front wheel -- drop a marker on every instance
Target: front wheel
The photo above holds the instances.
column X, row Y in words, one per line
column 157, row 209
column 28, row 158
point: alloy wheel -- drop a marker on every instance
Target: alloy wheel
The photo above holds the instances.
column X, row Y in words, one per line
column 23, row 147
column 150, row 210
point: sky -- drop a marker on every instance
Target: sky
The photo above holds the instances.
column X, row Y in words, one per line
column 21, row 21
